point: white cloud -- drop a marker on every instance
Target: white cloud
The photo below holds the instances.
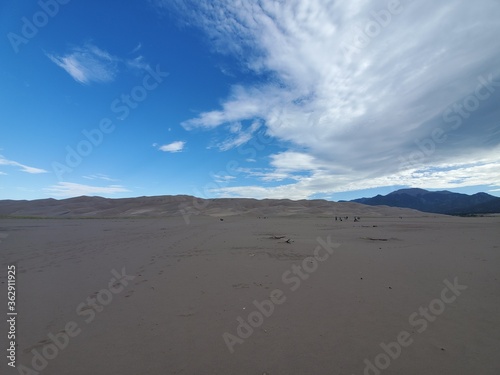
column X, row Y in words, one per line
column 293, row 161
column 242, row 135
column 176, row 146
column 137, row 63
column 89, row 63
column 22, row 167
column 99, row 176
column 69, row 189
column 321, row 181
column 222, row 178
column 137, row 48
column 353, row 104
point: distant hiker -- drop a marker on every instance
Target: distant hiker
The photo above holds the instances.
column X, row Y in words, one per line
column 335, row 218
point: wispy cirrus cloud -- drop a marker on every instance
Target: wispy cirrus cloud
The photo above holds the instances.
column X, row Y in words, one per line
column 99, row 176
column 137, row 63
column 22, row 167
column 354, row 98
column 321, row 180
column 176, row 146
column 137, row 48
column 239, row 135
column 89, row 63
column 70, row 189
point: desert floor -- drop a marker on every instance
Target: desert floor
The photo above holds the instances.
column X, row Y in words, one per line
column 186, row 287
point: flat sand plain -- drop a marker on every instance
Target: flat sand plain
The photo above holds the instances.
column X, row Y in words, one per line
column 186, row 286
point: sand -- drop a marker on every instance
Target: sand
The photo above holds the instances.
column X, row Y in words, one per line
column 186, row 286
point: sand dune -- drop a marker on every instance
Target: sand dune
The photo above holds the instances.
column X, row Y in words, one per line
column 190, row 206
column 292, row 294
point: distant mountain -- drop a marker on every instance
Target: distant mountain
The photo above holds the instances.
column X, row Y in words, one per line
column 439, row 202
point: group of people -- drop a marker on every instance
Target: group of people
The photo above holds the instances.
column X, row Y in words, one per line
column 342, row 218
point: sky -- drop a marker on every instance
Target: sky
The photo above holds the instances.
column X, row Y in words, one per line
column 260, row 99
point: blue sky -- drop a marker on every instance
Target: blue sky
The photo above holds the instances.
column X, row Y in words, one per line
column 263, row 99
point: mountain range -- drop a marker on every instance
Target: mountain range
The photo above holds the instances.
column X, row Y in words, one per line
column 404, row 202
column 188, row 207
column 440, row 202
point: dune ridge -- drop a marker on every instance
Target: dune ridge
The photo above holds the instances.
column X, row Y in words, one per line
column 178, row 205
